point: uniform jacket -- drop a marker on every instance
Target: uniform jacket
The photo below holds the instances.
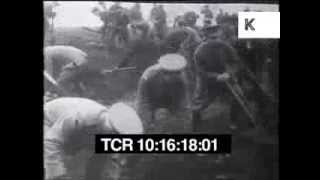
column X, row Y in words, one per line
column 214, row 57
column 156, row 92
column 66, row 120
column 56, row 57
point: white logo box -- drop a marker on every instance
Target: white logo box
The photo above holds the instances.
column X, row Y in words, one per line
column 266, row 25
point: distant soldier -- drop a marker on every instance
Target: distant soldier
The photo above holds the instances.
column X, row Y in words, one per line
column 178, row 22
column 139, row 30
column 137, row 23
column 219, row 17
column 223, row 33
column 208, row 15
column 190, row 19
column 158, row 14
column 103, row 5
column 162, row 94
column 119, row 18
column 116, row 6
column 117, row 31
column 135, row 13
column 211, row 32
column 70, row 126
column 141, row 51
column 49, row 15
column 182, row 39
column 158, row 18
column 102, row 12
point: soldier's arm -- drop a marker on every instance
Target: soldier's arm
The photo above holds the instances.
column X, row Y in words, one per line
column 143, row 104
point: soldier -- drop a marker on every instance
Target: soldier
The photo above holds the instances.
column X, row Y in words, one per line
column 211, row 32
column 102, row 5
column 183, row 39
column 141, row 51
column 69, row 66
column 135, row 13
column 178, row 22
column 57, row 57
column 208, row 15
column 223, row 33
column 162, row 94
column 49, row 15
column 102, row 12
column 215, row 62
column 184, row 42
column 70, row 126
column 220, row 16
column 117, row 31
column 116, row 6
column 158, row 18
column 190, row 19
column 260, row 59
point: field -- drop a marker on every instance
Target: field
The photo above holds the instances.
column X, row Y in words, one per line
column 121, row 86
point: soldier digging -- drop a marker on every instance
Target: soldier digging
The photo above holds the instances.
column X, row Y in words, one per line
column 162, row 95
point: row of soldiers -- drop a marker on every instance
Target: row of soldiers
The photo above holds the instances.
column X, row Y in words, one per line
column 191, row 72
column 117, row 19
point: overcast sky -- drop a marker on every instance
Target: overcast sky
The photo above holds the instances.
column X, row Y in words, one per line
column 78, row 13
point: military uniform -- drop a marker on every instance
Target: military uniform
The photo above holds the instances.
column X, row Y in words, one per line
column 116, row 26
column 213, row 57
column 161, row 92
column 211, row 32
column 255, row 54
column 70, row 126
column 183, row 41
column 135, row 14
column 116, row 6
column 57, row 57
column 178, row 22
column 104, row 16
column 139, row 30
column 66, row 64
column 140, row 53
column 159, row 18
column 81, row 81
column 49, row 15
column 208, row 16
column 190, row 19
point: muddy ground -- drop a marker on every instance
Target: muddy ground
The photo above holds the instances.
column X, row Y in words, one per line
column 243, row 164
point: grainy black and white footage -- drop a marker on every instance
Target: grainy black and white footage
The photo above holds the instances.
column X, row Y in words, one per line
column 157, row 68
